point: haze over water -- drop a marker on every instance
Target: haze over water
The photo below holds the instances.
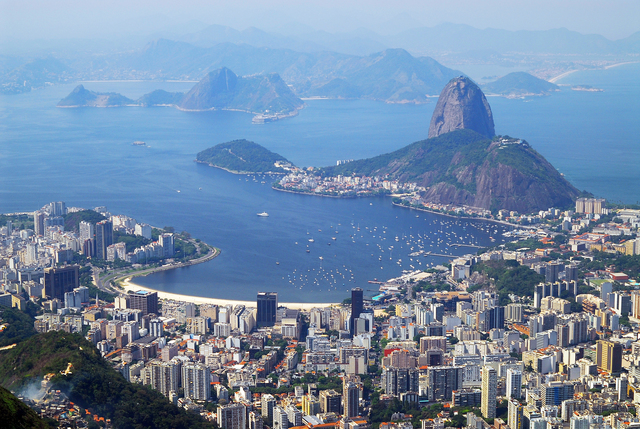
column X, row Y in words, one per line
column 85, row 157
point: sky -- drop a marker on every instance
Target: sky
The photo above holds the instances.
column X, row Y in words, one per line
column 93, row 19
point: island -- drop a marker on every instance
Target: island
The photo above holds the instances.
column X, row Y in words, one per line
column 520, row 84
column 82, row 97
column 244, row 157
column 266, row 96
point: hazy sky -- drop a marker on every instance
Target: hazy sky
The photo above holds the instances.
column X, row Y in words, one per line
column 52, row 19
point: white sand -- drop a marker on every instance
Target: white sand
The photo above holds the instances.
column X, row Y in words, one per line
column 620, row 64
column 565, row 74
column 129, row 285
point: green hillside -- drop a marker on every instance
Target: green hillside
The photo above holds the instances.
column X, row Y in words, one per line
column 72, row 220
column 17, row 415
column 93, row 383
column 18, row 326
column 241, row 156
column 465, row 168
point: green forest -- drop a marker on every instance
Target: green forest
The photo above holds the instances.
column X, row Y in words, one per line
column 93, row 384
column 241, row 156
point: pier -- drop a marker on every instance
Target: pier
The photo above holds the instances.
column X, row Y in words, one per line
column 467, row 245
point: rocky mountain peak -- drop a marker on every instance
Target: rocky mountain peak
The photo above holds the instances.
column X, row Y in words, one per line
column 462, row 105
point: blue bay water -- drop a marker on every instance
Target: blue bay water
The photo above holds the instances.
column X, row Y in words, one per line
column 85, row 157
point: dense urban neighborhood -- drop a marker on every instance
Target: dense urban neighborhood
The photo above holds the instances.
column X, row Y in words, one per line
column 537, row 333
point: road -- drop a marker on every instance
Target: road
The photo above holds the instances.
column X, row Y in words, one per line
column 107, row 283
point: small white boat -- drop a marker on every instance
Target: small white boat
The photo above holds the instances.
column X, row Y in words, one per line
column 263, row 214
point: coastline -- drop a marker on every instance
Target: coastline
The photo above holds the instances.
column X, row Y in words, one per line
column 620, row 64
column 128, row 284
column 313, row 194
column 112, row 279
column 463, row 217
column 567, row 73
column 238, row 172
column 562, row 75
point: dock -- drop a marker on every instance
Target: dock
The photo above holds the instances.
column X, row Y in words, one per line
column 467, row 245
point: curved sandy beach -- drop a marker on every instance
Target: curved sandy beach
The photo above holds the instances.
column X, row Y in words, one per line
column 128, row 285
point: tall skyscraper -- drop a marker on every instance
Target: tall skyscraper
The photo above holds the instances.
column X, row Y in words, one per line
column 515, row 419
column 268, row 402
column 571, row 272
column 255, row 420
column 143, row 300
column 356, row 307
column 232, row 416
column 163, row 376
column 442, row 381
column 609, row 356
column 350, row 400
column 514, row 384
column 57, row 208
column 330, row 401
column 489, row 392
column 87, row 230
column 166, row 241
column 280, row 418
column 104, row 238
column 58, row 281
column 196, row 381
column 38, row 223
column 267, row 303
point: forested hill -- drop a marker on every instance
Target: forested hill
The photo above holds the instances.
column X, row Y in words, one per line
column 17, row 415
column 93, row 383
column 242, row 156
column 519, row 84
column 465, row 168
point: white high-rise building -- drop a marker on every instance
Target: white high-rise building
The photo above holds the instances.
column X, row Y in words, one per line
column 514, row 384
column 143, row 230
column 267, row 402
column 489, row 392
column 166, row 241
column 87, row 231
column 516, row 415
column 31, row 256
column 280, row 418
column 196, row 381
column 163, row 376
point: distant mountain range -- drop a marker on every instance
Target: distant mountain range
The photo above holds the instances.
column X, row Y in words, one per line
column 220, row 89
column 358, row 64
column 519, row 84
column 446, row 37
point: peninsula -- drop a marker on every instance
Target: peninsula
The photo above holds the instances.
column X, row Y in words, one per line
column 102, row 248
column 462, row 164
